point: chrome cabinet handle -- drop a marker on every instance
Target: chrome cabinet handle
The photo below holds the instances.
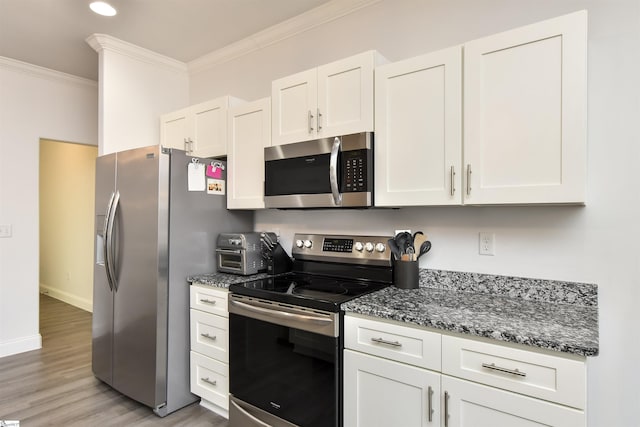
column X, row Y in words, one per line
column 505, row 370
column 468, row 179
column 318, row 120
column 186, row 144
column 430, row 403
column 446, row 409
column 383, row 341
column 211, row 337
column 453, row 176
column 208, row 381
column 208, row 301
column 310, row 121
column 333, row 171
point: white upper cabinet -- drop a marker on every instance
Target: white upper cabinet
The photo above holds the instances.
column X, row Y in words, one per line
column 333, row 99
column 418, row 141
column 249, row 133
column 507, row 127
column 525, row 126
column 200, row 130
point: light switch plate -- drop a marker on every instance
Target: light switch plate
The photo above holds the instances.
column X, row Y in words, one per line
column 5, row 230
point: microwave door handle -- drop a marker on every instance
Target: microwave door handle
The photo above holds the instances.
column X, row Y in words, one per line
column 333, row 171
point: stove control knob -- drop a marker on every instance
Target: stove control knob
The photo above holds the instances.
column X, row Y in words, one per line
column 380, row 247
column 358, row 246
column 308, row 244
column 369, row 247
column 299, row 243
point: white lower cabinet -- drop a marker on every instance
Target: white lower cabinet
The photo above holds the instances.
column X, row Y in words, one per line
column 469, row 404
column 384, row 393
column 401, row 375
column 210, row 347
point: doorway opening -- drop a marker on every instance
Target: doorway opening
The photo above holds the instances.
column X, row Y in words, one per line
column 67, row 188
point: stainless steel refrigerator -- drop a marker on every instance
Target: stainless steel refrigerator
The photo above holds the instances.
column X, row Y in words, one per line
column 151, row 233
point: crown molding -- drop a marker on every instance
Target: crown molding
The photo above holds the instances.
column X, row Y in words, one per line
column 101, row 42
column 46, row 73
column 304, row 22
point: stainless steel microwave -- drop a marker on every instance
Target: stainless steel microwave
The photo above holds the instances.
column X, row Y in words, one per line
column 323, row 173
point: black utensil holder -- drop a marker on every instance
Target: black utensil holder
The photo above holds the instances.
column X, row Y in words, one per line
column 279, row 262
column 405, row 274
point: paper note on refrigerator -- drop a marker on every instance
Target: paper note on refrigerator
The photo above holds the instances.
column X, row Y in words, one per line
column 196, row 178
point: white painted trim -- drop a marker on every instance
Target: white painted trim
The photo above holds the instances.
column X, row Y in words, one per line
column 214, row 408
column 82, row 303
column 46, row 73
column 20, row 345
column 284, row 30
column 100, row 42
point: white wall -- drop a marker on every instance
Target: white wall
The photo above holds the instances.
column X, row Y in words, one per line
column 34, row 103
column 598, row 243
column 136, row 86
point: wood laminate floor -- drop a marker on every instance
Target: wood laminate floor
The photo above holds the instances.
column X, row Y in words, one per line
column 54, row 386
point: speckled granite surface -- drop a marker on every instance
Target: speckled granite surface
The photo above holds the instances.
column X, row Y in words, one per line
column 553, row 315
column 222, row 280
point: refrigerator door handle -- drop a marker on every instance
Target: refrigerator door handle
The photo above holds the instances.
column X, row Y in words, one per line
column 110, row 246
column 105, row 241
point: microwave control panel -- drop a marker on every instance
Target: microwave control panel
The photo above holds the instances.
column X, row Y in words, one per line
column 355, row 177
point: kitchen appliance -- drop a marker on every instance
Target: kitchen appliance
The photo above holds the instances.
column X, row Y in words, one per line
column 285, row 331
column 240, row 253
column 150, row 234
column 322, row 173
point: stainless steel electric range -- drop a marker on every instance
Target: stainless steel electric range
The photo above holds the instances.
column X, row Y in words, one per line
column 285, row 350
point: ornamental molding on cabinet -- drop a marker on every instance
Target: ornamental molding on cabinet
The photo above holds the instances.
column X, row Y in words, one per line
column 298, row 24
column 104, row 42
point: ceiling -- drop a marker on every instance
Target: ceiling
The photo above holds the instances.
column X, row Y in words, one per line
column 52, row 33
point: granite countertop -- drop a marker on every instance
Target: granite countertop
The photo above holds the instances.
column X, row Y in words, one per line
column 560, row 316
column 222, row 280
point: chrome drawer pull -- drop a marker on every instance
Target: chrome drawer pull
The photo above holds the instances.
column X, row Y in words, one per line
column 505, row 370
column 211, row 337
column 430, row 404
column 208, row 301
column 383, row 341
column 208, row 381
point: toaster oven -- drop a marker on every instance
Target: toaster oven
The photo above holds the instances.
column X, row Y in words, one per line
column 240, row 253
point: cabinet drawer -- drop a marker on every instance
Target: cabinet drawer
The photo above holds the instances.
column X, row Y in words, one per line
column 210, row 335
column 554, row 378
column 210, row 299
column 210, row 379
column 393, row 341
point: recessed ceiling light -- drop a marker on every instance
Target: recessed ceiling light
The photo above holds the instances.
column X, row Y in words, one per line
column 102, row 8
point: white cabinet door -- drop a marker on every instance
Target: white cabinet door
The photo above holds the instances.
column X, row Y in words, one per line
column 345, row 96
column 294, row 103
column 249, row 133
column 525, row 114
column 174, row 129
column 418, row 119
column 209, row 131
column 467, row 404
column 383, row 393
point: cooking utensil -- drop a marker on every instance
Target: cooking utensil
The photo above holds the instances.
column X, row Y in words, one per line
column 404, row 240
column 395, row 250
column 424, row 248
column 418, row 239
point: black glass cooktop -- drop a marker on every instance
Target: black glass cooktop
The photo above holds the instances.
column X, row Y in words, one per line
column 308, row 290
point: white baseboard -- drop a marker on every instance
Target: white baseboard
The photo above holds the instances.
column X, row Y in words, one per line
column 82, row 303
column 20, row 345
column 214, row 408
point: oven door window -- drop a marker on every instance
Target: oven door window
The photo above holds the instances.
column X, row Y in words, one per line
column 298, row 175
column 288, row 372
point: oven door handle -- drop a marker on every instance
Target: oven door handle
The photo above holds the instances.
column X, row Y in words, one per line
column 284, row 316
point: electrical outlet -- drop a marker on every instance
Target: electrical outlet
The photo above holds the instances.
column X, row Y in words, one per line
column 401, row 231
column 487, row 242
column 5, row 230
